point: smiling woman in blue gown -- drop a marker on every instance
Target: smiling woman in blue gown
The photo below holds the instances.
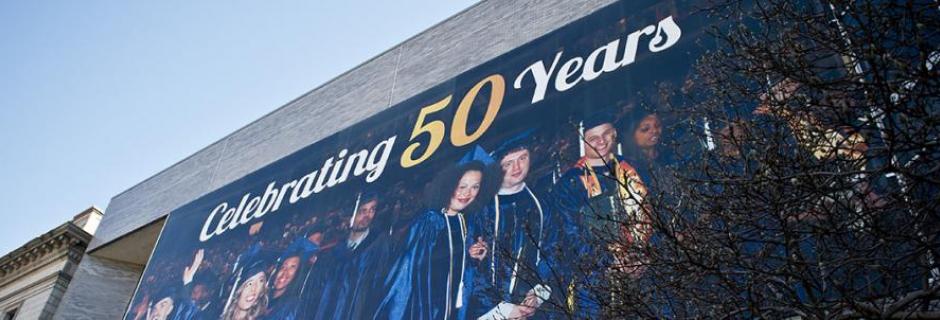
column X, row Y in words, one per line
column 432, row 278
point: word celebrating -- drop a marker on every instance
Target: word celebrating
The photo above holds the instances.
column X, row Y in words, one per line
column 576, row 69
column 335, row 170
column 608, row 58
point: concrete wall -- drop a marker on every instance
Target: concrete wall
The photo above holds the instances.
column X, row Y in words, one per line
column 466, row 40
column 476, row 35
column 100, row 289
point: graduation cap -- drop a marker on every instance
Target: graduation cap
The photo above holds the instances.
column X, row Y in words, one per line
column 368, row 195
column 317, row 227
column 362, row 197
column 300, row 247
column 520, row 141
column 476, row 154
column 206, row 277
column 593, row 120
column 165, row 292
column 598, row 118
column 255, row 266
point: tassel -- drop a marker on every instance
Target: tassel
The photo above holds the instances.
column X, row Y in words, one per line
column 355, row 210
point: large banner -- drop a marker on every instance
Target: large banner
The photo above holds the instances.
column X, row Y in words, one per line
column 466, row 201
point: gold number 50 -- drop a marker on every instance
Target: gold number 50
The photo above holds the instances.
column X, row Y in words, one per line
column 434, row 129
column 459, row 136
column 458, row 130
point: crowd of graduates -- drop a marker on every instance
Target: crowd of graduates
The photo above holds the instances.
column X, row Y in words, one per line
column 491, row 237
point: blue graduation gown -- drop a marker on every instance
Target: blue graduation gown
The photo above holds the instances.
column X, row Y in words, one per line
column 355, row 277
column 286, row 307
column 592, row 217
column 427, row 274
column 522, row 236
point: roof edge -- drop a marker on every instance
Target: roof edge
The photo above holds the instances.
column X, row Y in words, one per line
column 315, row 89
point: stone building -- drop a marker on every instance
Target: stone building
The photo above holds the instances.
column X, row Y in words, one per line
column 34, row 277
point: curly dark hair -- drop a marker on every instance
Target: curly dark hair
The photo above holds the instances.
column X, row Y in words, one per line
column 441, row 189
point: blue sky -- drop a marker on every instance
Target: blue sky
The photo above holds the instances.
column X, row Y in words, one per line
column 96, row 96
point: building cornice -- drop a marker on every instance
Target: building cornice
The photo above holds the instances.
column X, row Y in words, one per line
column 38, row 251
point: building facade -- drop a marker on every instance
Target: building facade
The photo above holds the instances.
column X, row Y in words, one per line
column 559, row 94
column 34, row 277
column 111, row 268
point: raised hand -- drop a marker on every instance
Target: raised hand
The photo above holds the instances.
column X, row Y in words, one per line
column 190, row 271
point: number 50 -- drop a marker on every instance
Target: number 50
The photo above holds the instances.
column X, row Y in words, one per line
column 458, row 131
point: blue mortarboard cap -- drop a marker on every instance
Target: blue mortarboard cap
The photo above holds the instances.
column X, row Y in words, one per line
column 368, row 195
column 165, row 292
column 255, row 266
column 476, row 154
column 300, row 247
column 598, row 118
column 522, row 140
column 206, row 277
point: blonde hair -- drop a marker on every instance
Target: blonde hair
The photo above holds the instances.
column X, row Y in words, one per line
column 260, row 306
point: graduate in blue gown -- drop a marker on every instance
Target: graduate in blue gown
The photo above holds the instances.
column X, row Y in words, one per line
column 433, row 277
column 283, row 300
column 203, row 291
column 249, row 299
column 312, row 279
column 605, row 196
column 521, row 231
column 356, row 265
column 169, row 305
